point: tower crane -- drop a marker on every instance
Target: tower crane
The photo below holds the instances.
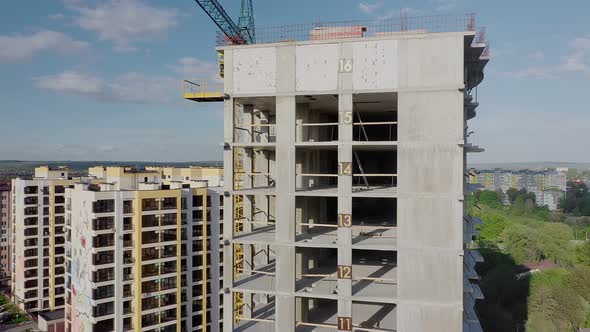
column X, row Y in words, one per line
column 238, row 34
column 241, row 33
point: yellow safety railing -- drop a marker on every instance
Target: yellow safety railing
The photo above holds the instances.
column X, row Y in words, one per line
column 202, row 91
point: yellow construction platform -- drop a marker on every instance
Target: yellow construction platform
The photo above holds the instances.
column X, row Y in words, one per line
column 202, row 91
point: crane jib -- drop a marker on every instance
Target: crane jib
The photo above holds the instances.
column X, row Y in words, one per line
column 243, row 34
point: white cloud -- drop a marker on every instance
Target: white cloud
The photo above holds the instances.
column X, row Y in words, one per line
column 538, row 55
column 369, row 8
column 576, row 61
column 125, row 22
column 444, row 5
column 193, row 68
column 57, row 16
column 70, row 82
column 396, row 14
column 531, row 134
column 23, row 47
column 130, row 87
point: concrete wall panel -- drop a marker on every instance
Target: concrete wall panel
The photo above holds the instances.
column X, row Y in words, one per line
column 375, row 65
column 412, row 317
column 317, row 67
column 430, row 116
column 430, row 276
column 255, row 70
column 431, row 62
column 285, row 69
column 430, row 222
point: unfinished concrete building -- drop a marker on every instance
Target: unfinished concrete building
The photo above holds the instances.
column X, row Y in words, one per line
column 345, row 154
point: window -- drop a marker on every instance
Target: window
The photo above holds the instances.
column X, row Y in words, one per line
column 197, row 201
column 103, row 206
column 127, row 206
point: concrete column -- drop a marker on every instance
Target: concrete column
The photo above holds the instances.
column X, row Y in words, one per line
column 345, row 203
column 228, row 213
column 285, row 212
column 430, row 211
column 215, row 231
column 119, row 261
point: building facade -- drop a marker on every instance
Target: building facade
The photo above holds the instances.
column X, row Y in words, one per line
column 119, row 250
column 549, row 186
column 347, row 160
column 38, row 240
column 5, row 231
column 143, row 260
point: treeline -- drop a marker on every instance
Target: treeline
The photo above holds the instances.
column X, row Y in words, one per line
column 555, row 299
column 521, row 203
column 577, row 199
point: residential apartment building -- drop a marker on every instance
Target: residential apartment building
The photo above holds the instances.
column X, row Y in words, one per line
column 5, row 232
column 121, row 250
column 549, row 186
column 212, row 175
column 146, row 259
column 38, row 239
column 346, row 151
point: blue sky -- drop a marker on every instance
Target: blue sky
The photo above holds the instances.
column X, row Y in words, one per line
column 100, row 80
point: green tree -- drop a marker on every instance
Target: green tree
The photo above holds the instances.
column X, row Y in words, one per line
column 556, row 242
column 582, row 253
column 579, row 281
column 556, row 308
column 512, row 194
column 523, row 243
column 490, row 198
column 518, row 207
column 489, row 232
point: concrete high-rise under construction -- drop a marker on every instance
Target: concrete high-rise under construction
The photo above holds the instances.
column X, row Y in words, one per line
column 345, row 167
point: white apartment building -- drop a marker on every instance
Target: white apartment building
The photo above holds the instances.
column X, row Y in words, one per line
column 5, row 224
column 38, row 239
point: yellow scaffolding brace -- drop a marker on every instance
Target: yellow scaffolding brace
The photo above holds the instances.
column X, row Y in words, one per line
column 238, row 248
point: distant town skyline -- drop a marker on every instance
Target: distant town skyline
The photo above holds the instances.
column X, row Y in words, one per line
column 79, row 84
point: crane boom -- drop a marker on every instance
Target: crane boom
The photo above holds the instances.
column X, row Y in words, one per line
column 246, row 20
column 243, row 34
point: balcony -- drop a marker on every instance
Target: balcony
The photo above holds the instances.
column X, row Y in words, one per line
column 169, row 251
column 30, row 200
column 104, row 309
column 169, row 203
column 103, row 258
column 102, row 275
column 31, row 190
column 103, row 206
column 127, row 207
column 103, row 241
column 103, row 223
column 32, row 210
column 149, row 204
column 31, row 232
column 149, row 221
column 168, row 235
column 128, row 257
column 149, row 320
column 168, row 219
column 149, row 254
column 31, row 221
column 168, row 315
column 149, row 303
column 149, row 237
column 168, row 267
column 103, row 292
